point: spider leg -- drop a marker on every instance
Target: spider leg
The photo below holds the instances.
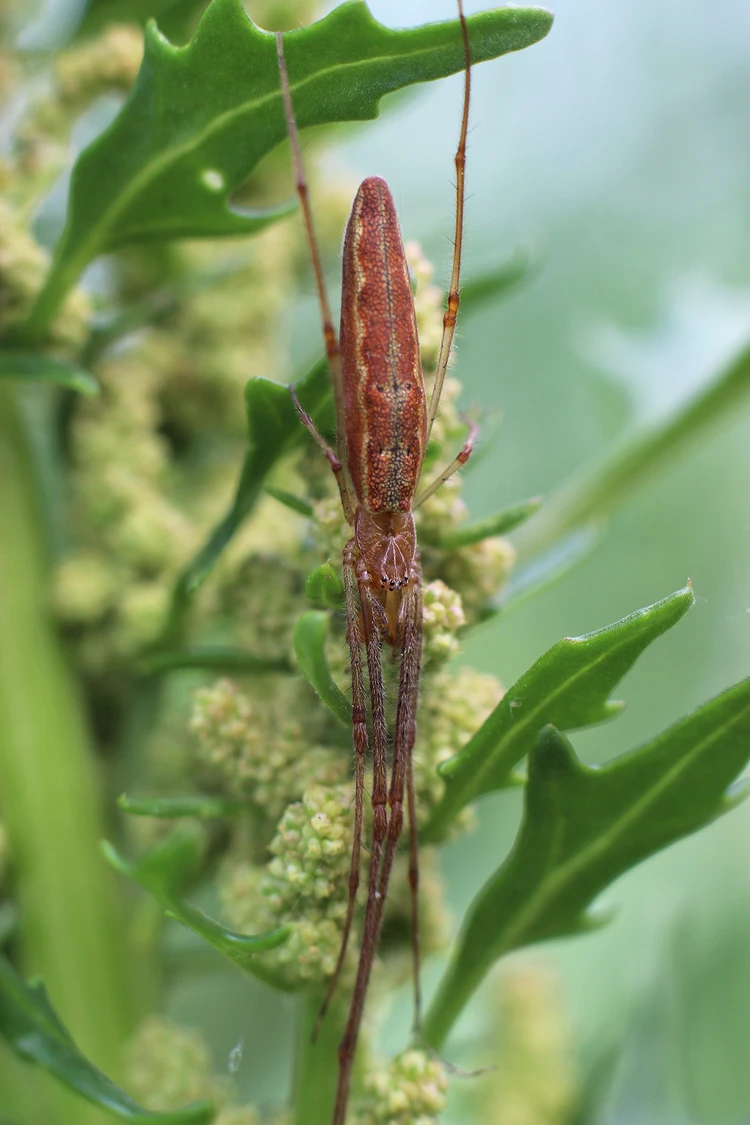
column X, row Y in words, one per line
column 376, row 624
column 451, row 312
column 460, row 459
column 402, row 772
column 414, row 893
column 329, row 332
column 405, row 734
column 359, row 727
column 337, row 468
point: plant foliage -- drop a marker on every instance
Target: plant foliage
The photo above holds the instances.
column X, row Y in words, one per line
column 32, row 1027
column 583, row 827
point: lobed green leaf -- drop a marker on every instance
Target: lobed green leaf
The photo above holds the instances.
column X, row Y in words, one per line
column 582, row 828
column 569, row 686
column 32, row 1027
column 201, row 117
column 166, row 870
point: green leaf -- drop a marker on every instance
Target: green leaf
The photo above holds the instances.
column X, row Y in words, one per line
column 216, row 657
column 273, row 431
column 37, row 367
column 582, row 828
column 32, row 1027
column 324, row 587
column 310, row 634
column 499, row 524
column 569, row 686
column 295, row 503
column 201, row 117
column 166, row 870
column 172, row 808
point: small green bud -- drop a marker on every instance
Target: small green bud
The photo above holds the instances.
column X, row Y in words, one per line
column 257, row 744
column 324, row 587
column 108, row 63
column 478, row 572
column 411, row 1090
column 85, row 589
column 443, row 618
column 452, row 707
column 533, row 1080
column 304, row 886
column 169, row 1066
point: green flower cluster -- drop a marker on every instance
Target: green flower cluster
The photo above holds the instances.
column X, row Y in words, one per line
column 411, row 1090
column 258, row 747
column 534, row 1080
column 442, row 619
column 304, row 884
column 23, row 267
column 107, row 64
column 169, row 1066
column 452, row 708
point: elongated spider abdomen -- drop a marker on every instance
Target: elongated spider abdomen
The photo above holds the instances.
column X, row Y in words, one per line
column 383, row 389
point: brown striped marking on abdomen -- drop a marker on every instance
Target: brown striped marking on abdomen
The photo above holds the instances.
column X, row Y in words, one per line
column 384, row 397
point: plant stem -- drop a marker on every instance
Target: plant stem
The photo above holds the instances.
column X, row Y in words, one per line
column 590, row 496
column 317, row 1062
column 69, row 929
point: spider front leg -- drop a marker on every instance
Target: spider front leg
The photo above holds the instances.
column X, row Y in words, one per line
column 337, row 468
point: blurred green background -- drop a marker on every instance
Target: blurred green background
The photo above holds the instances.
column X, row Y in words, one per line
column 619, row 150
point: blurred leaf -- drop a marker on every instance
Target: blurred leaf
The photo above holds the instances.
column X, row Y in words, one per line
column 532, row 575
column 568, row 686
column 593, row 494
column 216, row 657
column 201, row 117
column 324, row 587
column 310, row 634
column 499, row 524
column 8, row 921
column 36, row 367
column 172, row 15
column 32, row 1027
column 289, row 500
column 582, row 828
column 485, row 288
column 172, row 808
column 166, row 870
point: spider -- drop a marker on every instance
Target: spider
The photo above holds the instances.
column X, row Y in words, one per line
column 383, row 426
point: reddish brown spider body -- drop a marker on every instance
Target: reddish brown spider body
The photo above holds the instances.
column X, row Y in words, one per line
column 383, row 425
